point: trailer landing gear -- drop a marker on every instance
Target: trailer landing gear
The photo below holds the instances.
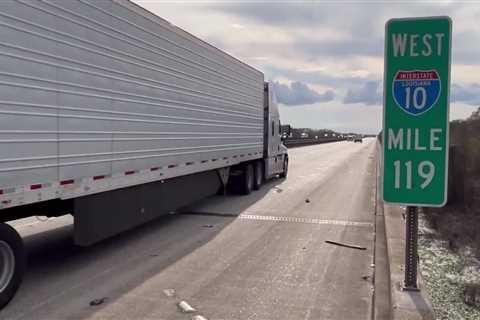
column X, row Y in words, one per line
column 12, row 263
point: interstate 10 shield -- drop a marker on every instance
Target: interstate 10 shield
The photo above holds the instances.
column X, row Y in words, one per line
column 416, row 91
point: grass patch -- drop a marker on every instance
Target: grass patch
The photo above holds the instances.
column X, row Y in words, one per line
column 449, row 251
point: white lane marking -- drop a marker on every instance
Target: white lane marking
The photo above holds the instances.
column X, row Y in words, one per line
column 199, row 317
column 185, row 307
column 305, row 220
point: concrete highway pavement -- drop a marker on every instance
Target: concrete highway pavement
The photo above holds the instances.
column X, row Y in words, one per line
column 261, row 256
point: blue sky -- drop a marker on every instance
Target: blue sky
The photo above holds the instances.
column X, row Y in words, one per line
column 326, row 57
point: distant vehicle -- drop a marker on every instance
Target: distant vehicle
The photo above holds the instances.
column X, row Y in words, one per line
column 349, row 138
column 358, row 139
column 120, row 120
column 304, row 135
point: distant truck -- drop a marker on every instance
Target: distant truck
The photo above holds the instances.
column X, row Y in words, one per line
column 358, row 139
column 115, row 116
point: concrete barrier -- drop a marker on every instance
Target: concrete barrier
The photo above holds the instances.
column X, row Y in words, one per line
column 404, row 305
column 292, row 143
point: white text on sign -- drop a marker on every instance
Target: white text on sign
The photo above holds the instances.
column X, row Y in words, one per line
column 413, row 45
column 409, row 139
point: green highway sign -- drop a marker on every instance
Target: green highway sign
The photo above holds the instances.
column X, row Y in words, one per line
column 415, row 111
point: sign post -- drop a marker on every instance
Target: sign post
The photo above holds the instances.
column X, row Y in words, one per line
column 415, row 120
column 411, row 248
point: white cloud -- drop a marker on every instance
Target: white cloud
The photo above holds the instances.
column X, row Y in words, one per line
column 326, row 46
column 334, row 115
column 467, row 94
column 370, row 94
column 298, row 93
column 237, row 26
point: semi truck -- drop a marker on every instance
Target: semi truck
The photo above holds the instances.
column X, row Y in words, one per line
column 115, row 116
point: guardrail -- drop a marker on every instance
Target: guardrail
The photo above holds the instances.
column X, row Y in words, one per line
column 292, row 143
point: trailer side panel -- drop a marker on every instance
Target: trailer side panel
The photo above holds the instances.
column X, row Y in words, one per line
column 101, row 95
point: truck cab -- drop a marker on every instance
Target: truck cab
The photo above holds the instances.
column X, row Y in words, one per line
column 275, row 152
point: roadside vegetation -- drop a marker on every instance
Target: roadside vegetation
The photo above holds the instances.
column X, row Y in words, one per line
column 450, row 237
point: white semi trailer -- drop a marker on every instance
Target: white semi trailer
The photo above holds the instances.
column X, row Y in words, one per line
column 114, row 115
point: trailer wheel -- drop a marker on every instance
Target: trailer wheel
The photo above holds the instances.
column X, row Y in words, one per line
column 12, row 263
column 285, row 169
column 247, row 179
column 258, row 175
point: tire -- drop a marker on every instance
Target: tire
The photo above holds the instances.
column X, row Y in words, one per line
column 285, row 169
column 247, row 180
column 258, row 181
column 12, row 263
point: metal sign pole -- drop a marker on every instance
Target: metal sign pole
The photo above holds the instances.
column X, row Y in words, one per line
column 411, row 247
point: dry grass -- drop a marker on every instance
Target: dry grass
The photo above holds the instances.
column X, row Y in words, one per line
column 457, row 226
column 449, row 262
column 450, row 237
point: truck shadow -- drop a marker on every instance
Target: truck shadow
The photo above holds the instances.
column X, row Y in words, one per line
column 63, row 276
column 231, row 205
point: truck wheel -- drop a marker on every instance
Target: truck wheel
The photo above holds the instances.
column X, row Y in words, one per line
column 258, row 175
column 285, row 169
column 12, row 263
column 247, row 179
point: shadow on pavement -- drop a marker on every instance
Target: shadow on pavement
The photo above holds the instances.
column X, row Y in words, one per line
column 61, row 273
column 231, row 205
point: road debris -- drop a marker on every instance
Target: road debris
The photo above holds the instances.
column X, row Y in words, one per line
column 97, row 302
column 185, row 307
column 169, row 292
column 346, row 245
column 307, row 200
column 208, row 226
